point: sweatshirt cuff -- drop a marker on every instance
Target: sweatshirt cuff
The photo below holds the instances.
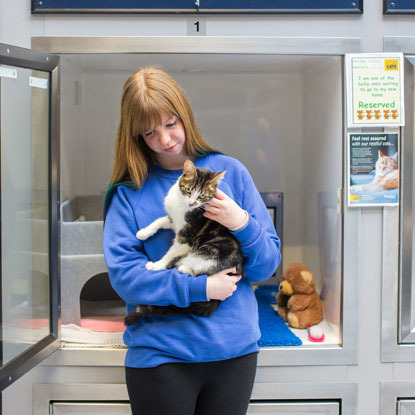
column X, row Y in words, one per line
column 197, row 288
column 249, row 233
column 243, row 224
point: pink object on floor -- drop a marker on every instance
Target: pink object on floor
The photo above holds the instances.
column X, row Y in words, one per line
column 100, row 325
column 29, row 323
column 315, row 334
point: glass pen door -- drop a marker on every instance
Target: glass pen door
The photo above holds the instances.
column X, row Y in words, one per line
column 28, row 211
column 406, row 317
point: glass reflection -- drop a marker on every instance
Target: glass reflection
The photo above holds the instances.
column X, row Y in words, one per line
column 24, row 209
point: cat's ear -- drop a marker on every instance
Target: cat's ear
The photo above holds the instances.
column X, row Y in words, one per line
column 395, row 156
column 380, row 154
column 189, row 168
column 217, row 177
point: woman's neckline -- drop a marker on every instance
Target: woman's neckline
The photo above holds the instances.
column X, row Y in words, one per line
column 162, row 171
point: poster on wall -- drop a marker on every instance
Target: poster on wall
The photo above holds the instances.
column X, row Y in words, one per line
column 196, row 6
column 373, row 171
column 375, row 90
column 398, row 6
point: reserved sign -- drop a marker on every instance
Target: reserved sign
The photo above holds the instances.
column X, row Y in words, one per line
column 375, row 89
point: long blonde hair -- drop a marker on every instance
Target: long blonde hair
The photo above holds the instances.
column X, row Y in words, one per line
column 148, row 93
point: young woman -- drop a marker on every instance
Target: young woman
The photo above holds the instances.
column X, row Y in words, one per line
column 182, row 364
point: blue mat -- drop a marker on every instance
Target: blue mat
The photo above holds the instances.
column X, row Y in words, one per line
column 274, row 330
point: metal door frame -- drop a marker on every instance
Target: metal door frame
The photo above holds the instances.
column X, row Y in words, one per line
column 26, row 58
column 345, row 393
column 396, row 336
column 260, row 45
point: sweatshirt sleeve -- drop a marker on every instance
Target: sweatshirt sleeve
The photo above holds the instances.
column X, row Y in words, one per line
column 126, row 258
column 259, row 242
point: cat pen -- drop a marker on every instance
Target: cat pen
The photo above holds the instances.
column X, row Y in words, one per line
column 275, row 104
column 280, row 113
column 303, row 159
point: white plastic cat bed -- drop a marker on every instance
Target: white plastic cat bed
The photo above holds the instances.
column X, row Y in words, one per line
column 81, row 251
column 82, row 259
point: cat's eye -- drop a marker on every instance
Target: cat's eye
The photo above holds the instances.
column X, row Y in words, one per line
column 185, row 189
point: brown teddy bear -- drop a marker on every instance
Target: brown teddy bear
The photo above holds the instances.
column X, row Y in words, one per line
column 297, row 299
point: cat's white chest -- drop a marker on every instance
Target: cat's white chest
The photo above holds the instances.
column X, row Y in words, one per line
column 175, row 207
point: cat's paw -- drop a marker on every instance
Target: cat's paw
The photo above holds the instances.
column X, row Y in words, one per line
column 150, row 265
column 184, row 269
column 154, row 266
column 143, row 234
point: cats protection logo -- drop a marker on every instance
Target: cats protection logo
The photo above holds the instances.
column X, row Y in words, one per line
column 391, row 64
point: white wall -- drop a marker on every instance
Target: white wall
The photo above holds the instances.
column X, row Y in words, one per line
column 17, row 25
column 253, row 111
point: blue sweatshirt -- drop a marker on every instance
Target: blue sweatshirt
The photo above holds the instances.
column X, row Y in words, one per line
column 232, row 330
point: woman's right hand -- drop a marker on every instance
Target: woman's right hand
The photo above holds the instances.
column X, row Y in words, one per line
column 220, row 286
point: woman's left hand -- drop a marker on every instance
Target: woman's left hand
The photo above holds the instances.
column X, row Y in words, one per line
column 224, row 210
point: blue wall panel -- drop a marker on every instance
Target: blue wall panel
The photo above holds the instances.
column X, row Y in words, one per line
column 399, row 6
column 190, row 6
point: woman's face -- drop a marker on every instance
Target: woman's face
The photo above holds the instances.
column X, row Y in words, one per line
column 167, row 141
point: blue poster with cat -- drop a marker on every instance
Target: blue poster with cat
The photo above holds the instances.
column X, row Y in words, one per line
column 373, row 169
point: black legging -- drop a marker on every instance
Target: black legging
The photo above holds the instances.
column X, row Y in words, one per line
column 211, row 388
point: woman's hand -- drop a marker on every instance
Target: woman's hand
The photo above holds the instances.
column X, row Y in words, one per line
column 224, row 210
column 220, row 286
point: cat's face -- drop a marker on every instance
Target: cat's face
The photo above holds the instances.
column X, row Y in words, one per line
column 385, row 164
column 198, row 186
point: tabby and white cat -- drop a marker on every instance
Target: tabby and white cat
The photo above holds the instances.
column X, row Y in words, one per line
column 201, row 246
column 386, row 176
